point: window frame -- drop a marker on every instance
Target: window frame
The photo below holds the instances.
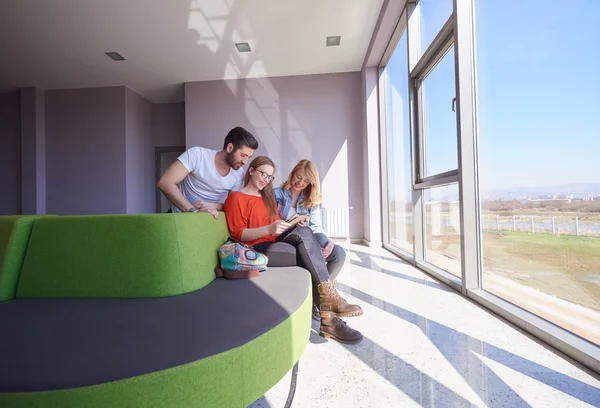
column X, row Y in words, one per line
column 459, row 31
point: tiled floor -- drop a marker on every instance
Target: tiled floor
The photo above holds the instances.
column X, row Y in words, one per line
column 425, row 345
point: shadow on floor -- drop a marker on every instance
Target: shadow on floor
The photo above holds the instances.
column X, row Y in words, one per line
column 260, row 403
column 462, row 352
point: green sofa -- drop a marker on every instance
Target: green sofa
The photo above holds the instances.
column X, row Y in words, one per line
column 15, row 231
column 125, row 310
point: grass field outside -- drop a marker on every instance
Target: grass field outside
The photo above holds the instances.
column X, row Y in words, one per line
column 565, row 266
column 551, row 271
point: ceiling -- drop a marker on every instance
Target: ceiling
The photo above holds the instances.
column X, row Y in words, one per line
column 60, row 44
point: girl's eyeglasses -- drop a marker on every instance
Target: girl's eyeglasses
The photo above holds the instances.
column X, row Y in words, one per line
column 266, row 176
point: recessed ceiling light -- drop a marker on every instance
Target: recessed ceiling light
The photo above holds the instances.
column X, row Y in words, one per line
column 333, row 41
column 243, row 47
column 115, row 56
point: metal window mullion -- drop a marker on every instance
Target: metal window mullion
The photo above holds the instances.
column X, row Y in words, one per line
column 394, row 40
column 441, row 180
column 436, row 50
column 420, row 135
column 384, row 170
column 471, row 249
column 413, row 50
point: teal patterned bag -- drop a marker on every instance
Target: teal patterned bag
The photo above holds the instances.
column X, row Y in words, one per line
column 238, row 260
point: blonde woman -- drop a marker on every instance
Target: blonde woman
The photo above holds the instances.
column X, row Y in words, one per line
column 301, row 194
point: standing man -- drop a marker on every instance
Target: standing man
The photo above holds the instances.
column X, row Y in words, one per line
column 200, row 179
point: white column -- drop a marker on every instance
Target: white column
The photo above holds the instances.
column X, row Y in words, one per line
column 372, row 217
column 33, row 151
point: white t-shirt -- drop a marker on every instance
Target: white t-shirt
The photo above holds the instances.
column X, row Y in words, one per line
column 204, row 183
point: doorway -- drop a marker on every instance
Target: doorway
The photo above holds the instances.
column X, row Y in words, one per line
column 163, row 158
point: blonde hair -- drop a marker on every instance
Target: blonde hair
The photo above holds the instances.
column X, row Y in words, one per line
column 266, row 193
column 312, row 193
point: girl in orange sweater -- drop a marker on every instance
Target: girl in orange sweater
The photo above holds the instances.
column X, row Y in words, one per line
column 252, row 218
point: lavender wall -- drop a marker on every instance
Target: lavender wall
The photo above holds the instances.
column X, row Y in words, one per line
column 317, row 117
column 168, row 124
column 85, row 151
column 140, row 154
column 10, row 153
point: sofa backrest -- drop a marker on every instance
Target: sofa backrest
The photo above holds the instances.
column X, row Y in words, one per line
column 14, row 238
column 121, row 256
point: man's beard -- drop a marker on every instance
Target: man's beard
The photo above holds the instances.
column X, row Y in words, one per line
column 230, row 161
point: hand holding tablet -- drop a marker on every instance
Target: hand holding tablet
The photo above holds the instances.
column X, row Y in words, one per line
column 297, row 218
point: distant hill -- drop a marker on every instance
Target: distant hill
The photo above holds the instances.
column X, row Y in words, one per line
column 577, row 189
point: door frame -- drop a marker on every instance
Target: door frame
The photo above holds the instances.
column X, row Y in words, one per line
column 157, row 152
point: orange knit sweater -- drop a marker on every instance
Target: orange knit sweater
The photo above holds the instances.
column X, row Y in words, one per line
column 246, row 211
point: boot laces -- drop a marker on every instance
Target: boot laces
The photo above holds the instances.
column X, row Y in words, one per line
column 337, row 322
column 334, row 293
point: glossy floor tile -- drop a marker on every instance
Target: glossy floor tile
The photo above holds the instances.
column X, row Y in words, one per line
column 426, row 346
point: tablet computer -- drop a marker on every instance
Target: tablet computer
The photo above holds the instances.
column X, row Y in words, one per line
column 296, row 218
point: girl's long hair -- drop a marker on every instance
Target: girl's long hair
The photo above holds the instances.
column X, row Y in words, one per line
column 312, row 193
column 266, row 193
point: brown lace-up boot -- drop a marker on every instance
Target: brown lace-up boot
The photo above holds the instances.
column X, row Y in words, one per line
column 335, row 328
column 332, row 302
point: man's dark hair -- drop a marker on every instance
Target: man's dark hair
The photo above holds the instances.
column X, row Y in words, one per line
column 239, row 137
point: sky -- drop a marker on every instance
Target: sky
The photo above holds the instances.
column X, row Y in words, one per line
column 538, row 87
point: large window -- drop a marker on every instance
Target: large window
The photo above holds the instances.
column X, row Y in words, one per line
column 399, row 182
column 435, row 133
column 492, row 158
column 439, row 124
column 442, row 228
column 421, row 149
column 539, row 150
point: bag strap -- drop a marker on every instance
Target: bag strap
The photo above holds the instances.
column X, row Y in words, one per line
column 239, row 242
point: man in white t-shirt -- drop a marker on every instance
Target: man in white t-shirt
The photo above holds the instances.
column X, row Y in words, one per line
column 200, row 179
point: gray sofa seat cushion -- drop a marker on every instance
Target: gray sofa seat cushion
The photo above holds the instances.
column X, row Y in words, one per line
column 51, row 344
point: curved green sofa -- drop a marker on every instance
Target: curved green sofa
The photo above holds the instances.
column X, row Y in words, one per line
column 125, row 310
column 15, row 231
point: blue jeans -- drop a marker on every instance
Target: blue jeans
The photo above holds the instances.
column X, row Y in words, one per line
column 335, row 260
column 308, row 255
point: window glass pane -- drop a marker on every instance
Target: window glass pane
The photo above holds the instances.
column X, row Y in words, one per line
column 439, row 124
column 539, row 149
column 442, row 228
column 434, row 14
column 398, row 149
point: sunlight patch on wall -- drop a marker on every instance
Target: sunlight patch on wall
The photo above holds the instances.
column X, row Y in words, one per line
column 231, row 71
column 335, row 181
column 258, row 68
column 297, row 138
column 263, row 92
column 266, row 99
column 264, row 117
